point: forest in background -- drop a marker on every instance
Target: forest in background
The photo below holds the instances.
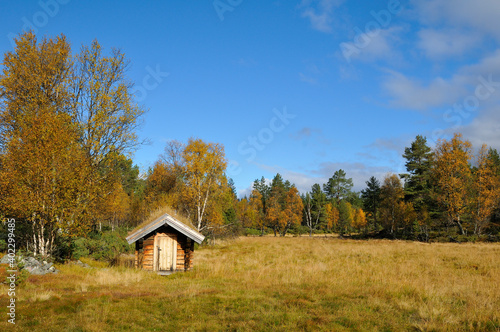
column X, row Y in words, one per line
column 68, row 124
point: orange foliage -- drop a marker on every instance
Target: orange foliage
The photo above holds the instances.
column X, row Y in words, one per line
column 485, row 193
column 256, row 210
column 41, row 160
column 64, row 125
column 293, row 210
column 332, row 215
column 204, row 179
column 359, row 220
column 452, row 176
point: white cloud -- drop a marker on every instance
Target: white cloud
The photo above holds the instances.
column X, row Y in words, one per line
column 320, row 13
column 308, row 79
column 483, row 129
column 310, row 74
column 480, row 15
column 245, row 192
column 376, row 45
column 488, row 65
column 410, row 94
column 438, row 44
column 307, row 133
column 390, row 144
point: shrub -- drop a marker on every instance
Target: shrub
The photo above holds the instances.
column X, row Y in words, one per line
column 3, row 245
column 80, row 248
column 104, row 246
column 252, row 232
column 112, row 245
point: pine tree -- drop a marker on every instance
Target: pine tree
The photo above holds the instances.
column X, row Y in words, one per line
column 371, row 199
column 264, row 190
column 419, row 158
column 338, row 186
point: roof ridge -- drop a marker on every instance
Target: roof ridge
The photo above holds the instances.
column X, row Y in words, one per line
column 160, row 221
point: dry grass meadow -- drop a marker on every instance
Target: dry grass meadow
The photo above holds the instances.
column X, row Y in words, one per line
column 282, row 284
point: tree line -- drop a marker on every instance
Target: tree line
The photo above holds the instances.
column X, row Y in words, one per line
column 446, row 191
column 68, row 125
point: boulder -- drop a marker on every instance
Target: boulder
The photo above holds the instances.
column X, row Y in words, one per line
column 82, row 264
column 5, row 260
column 32, row 265
column 36, row 267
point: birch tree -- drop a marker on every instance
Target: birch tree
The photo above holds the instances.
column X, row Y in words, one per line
column 332, row 215
column 65, row 123
column 204, row 178
column 40, row 158
column 484, row 191
column 107, row 116
column 256, row 210
column 292, row 213
column 314, row 204
column 452, row 176
column 391, row 194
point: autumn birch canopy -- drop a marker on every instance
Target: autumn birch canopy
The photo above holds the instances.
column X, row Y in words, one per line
column 452, row 175
column 64, row 124
column 204, row 178
column 485, row 193
column 39, row 151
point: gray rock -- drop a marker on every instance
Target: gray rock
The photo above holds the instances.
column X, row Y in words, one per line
column 33, row 266
column 38, row 271
column 31, row 262
column 80, row 263
column 5, row 260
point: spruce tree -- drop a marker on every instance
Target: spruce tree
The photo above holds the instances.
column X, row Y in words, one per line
column 419, row 158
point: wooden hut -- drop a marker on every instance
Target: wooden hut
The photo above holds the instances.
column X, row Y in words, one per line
column 164, row 245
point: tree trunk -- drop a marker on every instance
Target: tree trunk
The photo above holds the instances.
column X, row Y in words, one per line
column 462, row 232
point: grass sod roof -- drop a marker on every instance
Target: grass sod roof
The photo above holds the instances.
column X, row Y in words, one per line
column 165, row 216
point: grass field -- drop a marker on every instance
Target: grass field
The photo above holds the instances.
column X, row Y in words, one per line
column 278, row 284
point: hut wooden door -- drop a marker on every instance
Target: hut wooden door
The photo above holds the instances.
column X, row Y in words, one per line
column 167, row 252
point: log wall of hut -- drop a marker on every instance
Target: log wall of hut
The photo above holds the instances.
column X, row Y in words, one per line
column 144, row 250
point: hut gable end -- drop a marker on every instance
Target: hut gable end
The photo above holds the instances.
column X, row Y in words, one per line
column 164, row 245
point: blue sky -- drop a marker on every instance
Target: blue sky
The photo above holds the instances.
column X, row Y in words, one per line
column 302, row 87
